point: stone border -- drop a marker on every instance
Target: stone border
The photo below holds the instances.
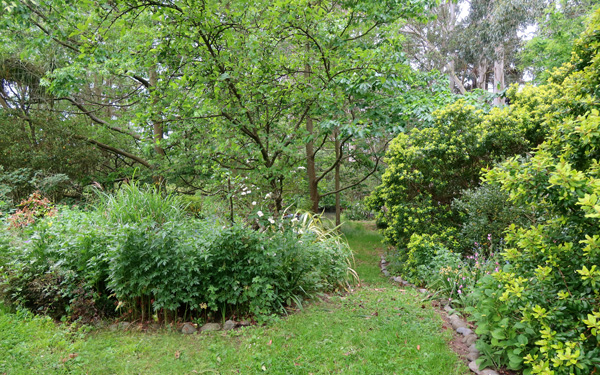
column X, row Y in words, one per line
column 458, row 324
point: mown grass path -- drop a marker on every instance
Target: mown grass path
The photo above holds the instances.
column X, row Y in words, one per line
column 378, row 329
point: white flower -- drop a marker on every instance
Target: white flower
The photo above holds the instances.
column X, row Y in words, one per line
column 268, row 196
column 249, row 191
column 260, row 214
column 243, row 193
column 303, row 168
column 254, row 203
column 271, row 220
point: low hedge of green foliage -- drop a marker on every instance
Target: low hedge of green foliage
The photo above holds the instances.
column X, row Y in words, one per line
column 138, row 255
column 521, row 250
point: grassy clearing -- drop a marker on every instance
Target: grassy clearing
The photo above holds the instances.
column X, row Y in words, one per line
column 379, row 329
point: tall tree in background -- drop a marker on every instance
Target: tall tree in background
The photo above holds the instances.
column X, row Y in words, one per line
column 474, row 43
column 558, row 27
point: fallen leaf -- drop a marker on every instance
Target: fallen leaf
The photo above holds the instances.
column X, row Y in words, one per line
column 270, row 342
column 418, row 347
column 264, row 368
column 73, row 355
column 177, row 354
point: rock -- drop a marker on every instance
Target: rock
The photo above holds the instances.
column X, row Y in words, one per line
column 386, row 273
column 244, row 323
column 398, row 279
column 228, row 325
column 473, row 349
column 113, row 327
column 488, row 371
column 457, row 322
column 470, row 339
column 188, row 329
column 123, row 326
column 464, row 331
column 472, row 356
column 448, row 309
column 473, row 366
column 423, row 291
column 208, row 327
column 406, row 283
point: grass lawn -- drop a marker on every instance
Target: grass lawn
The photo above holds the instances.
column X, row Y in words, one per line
column 379, row 329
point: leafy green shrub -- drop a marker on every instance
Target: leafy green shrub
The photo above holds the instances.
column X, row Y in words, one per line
column 486, row 213
column 428, row 168
column 62, row 258
column 421, row 250
column 157, row 259
column 358, row 211
column 552, row 284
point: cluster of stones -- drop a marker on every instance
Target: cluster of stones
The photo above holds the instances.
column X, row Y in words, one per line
column 458, row 324
column 190, row 328
column 187, row 328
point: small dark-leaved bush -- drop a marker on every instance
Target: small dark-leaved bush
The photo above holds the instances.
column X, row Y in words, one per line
column 486, row 212
column 137, row 254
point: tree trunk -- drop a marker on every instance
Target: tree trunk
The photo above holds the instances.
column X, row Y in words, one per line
column 499, row 74
column 338, row 209
column 157, row 126
column 313, row 184
column 482, row 74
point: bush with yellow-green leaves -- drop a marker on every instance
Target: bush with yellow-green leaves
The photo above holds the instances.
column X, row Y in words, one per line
column 429, row 168
column 541, row 312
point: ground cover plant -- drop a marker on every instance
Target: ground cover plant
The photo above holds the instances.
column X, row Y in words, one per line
column 139, row 253
column 377, row 329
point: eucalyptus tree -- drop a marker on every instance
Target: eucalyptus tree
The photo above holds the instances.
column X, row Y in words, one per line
column 558, row 28
column 473, row 42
